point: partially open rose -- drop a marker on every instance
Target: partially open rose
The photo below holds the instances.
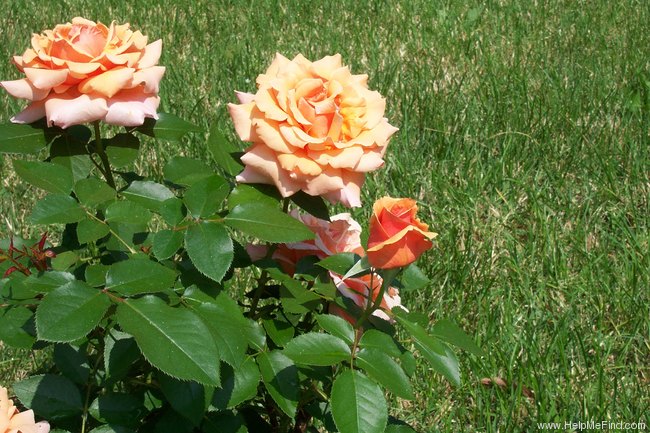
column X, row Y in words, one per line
column 314, row 127
column 13, row 421
column 84, row 71
column 397, row 238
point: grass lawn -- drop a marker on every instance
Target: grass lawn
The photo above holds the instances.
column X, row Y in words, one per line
column 525, row 136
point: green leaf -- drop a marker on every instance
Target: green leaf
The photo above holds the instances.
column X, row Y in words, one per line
column 362, row 267
column 187, row 398
column 122, row 149
column 339, row 263
column 64, row 260
column 412, row 278
column 91, row 230
column 210, row 249
column 237, row 385
column 267, row 223
column 386, row 371
column 312, row 204
column 117, row 408
column 279, row 330
column 25, row 139
column 224, row 153
column 137, row 276
column 439, row 355
column 45, row 175
column 57, row 209
column 336, row 326
column 296, row 299
column 167, row 127
column 228, row 422
column 96, row 275
column 450, row 332
column 358, row 404
column 127, row 213
column 17, row 327
column 186, row 171
column 72, row 362
column 374, row 339
column 204, row 198
column 166, row 243
column 47, row 281
column 92, row 192
column 409, row 364
column 227, row 325
column 314, row 348
column 280, row 377
column 172, row 339
column 171, row 210
column 147, row 194
column 263, row 194
column 51, row 397
column 70, row 312
column 120, row 353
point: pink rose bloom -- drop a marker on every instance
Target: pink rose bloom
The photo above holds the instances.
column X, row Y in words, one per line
column 13, row 421
column 84, row 71
column 341, row 235
column 314, row 127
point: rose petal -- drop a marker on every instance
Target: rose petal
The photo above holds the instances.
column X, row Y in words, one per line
column 241, row 118
column 264, row 161
column 130, row 107
column 108, row 83
column 33, row 112
column 268, row 132
column 149, row 77
column 64, row 111
column 151, row 55
column 24, row 89
column 46, row 78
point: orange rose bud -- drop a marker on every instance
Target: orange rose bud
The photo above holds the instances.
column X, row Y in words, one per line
column 397, row 238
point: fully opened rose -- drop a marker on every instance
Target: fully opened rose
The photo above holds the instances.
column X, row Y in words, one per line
column 13, row 421
column 397, row 237
column 84, row 71
column 314, row 126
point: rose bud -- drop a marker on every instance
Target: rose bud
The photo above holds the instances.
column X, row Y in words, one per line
column 397, row 238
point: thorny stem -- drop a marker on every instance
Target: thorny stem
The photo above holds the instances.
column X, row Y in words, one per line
column 84, row 417
column 108, row 174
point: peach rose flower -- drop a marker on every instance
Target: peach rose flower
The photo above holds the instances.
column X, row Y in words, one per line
column 84, row 71
column 13, row 421
column 341, row 235
column 314, row 127
column 397, row 238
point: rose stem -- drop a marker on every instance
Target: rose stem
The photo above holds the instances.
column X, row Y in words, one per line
column 102, row 155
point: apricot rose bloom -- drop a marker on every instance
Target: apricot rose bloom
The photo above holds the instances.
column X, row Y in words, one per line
column 314, row 127
column 13, row 421
column 341, row 235
column 84, row 71
column 397, row 237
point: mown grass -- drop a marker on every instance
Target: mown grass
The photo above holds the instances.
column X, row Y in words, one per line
column 524, row 134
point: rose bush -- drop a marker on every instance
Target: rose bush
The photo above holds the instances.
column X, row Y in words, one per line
column 84, row 71
column 155, row 316
column 314, row 126
column 397, row 237
column 14, row 421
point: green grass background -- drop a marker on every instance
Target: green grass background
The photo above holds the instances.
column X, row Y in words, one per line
column 524, row 134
